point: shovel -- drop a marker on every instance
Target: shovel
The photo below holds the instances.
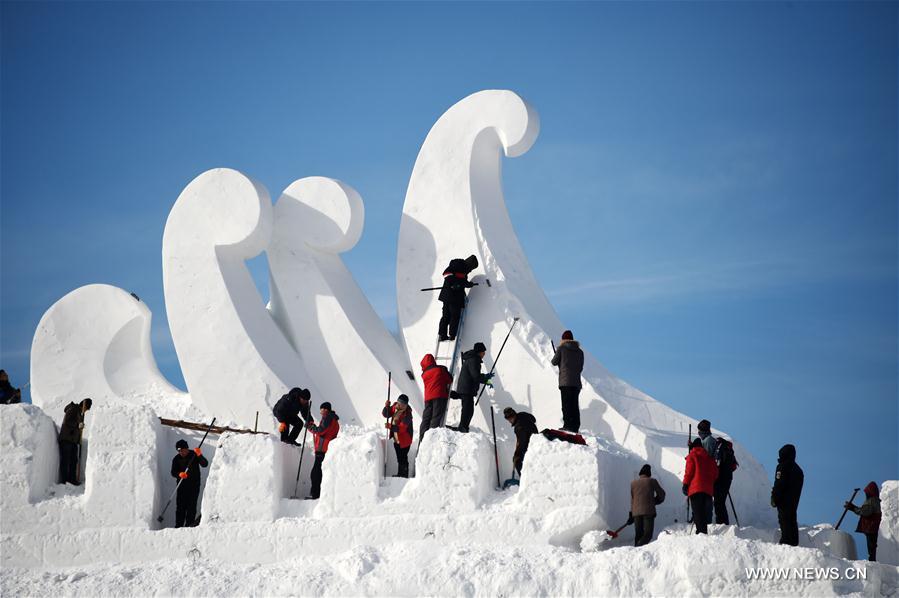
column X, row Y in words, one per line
column 614, row 534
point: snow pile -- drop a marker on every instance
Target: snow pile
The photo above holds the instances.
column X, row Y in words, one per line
column 351, row 474
column 245, row 481
column 454, row 472
column 888, row 538
column 831, row 541
column 29, row 458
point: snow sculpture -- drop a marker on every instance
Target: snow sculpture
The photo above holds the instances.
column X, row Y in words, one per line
column 457, row 179
column 244, row 461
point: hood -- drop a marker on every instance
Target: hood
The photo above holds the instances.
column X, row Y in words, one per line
column 428, row 361
column 471, row 262
column 872, row 490
column 786, row 454
column 471, row 354
column 569, row 344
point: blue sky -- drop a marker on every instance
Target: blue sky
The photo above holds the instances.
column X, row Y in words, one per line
column 711, row 205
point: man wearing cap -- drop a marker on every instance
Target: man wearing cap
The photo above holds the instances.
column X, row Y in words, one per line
column 646, row 493
column 288, row 410
column 399, row 423
column 470, row 380
column 570, row 359
column 186, row 469
column 452, row 295
column 322, row 435
column 70, row 432
column 525, row 425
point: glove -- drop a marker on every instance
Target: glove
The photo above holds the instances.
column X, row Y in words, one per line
column 310, row 424
column 80, row 425
column 387, row 403
column 183, row 475
column 387, row 425
column 489, row 381
column 454, row 394
column 685, row 489
column 630, row 518
column 282, row 427
column 198, row 452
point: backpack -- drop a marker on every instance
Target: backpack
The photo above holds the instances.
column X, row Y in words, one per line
column 724, row 449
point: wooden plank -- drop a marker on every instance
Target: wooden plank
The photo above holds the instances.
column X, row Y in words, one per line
column 177, row 423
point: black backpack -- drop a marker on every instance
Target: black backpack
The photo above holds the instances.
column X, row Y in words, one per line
column 724, row 449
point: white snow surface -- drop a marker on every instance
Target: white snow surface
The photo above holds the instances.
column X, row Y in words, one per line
column 888, row 538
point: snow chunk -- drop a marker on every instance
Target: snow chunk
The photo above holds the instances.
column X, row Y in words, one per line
column 29, row 458
column 243, row 462
column 351, row 474
column 888, row 538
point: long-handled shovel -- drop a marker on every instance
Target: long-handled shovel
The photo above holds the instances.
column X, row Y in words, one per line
column 851, row 498
column 615, row 533
column 300, row 466
column 162, row 514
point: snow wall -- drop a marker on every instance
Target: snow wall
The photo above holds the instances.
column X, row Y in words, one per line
column 319, row 331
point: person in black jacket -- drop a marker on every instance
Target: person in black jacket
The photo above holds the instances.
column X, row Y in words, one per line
column 785, row 494
column 470, row 380
column 288, row 410
column 570, row 359
column 186, row 468
column 8, row 394
column 70, row 440
column 525, row 426
column 452, row 295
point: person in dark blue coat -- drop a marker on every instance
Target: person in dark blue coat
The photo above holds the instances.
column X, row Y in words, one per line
column 788, row 480
column 470, row 380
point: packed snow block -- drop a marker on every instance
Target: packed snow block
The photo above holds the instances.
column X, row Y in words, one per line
column 454, row 472
column 888, row 537
column 831, row 541
column 245, row 481
column 29, row 457
column 121, row 474
column 351, row 475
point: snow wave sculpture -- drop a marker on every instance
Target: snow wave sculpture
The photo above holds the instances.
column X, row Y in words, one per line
column 458, row 178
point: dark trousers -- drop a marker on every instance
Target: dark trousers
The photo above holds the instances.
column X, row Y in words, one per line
column 449, row 320
column 294, row 426
column 402, row 461
column 702, row 508
column 467, row 412
column 571, row 412
column 186, row 505
column 317, row 475
column 789, row 526
column 872, row 547
column 722, row 488
column 68, row 462
column 432, row 417
column 643, row 528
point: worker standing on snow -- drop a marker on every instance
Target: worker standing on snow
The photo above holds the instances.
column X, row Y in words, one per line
column 699, row 484
column 186, row 468
column 452, row 295
column 288, row 410
column 646, row 493
column 869, row 518
column 322, row 435
column 437, row 381
column 70, row 432
column 525, row 425
column 570, row 359
column 785, row 494
column 727, row 465
column 470, row 380
column 400, row 425
column 8, row 394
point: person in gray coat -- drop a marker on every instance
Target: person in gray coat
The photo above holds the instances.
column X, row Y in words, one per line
column 470, row 380
column 570, row 359
column 646, row 493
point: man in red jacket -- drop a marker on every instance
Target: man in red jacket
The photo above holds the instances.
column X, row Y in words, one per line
column 869, row 516
column 322, row 434
column 400, row 425
column 699, row 484
column 437, row 381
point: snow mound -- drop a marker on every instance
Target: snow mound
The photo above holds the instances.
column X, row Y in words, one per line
column 29, row 459
column 351, row 474
column 888, row 538
column 244, row 461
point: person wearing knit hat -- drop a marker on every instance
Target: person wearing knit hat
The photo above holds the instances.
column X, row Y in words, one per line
column 452, row 295
column 399, row 422
column 570, row 359
column 322, row 435
column 869, row 516
column 525, row 425
column 287, row 412
column 646, row 493
column 470, row 380
column 186, row 470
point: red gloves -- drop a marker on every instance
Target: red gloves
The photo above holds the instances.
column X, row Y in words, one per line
column 198, row 452
column 282, row 427
column 183, row 475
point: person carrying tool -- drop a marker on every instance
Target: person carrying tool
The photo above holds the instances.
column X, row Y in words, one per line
column 186, row 468
column 869, row 516
column 570, row 358
column 699, row 483
column 646, row 493
column 288, row 410
column 437, row 381
column 322, row 435
column 452, row 295
column 470, row 380
column 525, row 425
column 70, row 440
column 400, row 425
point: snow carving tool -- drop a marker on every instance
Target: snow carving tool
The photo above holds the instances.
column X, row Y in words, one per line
column 80, row 442
column 474, row 284
column 734, row 509
column 614, row 533
column 499, row 485
column 165, row 508
column 511, row 481
column 851, row 498
column 498, row 355
column 689, row 442
column 300, row 466
column 387, row 438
